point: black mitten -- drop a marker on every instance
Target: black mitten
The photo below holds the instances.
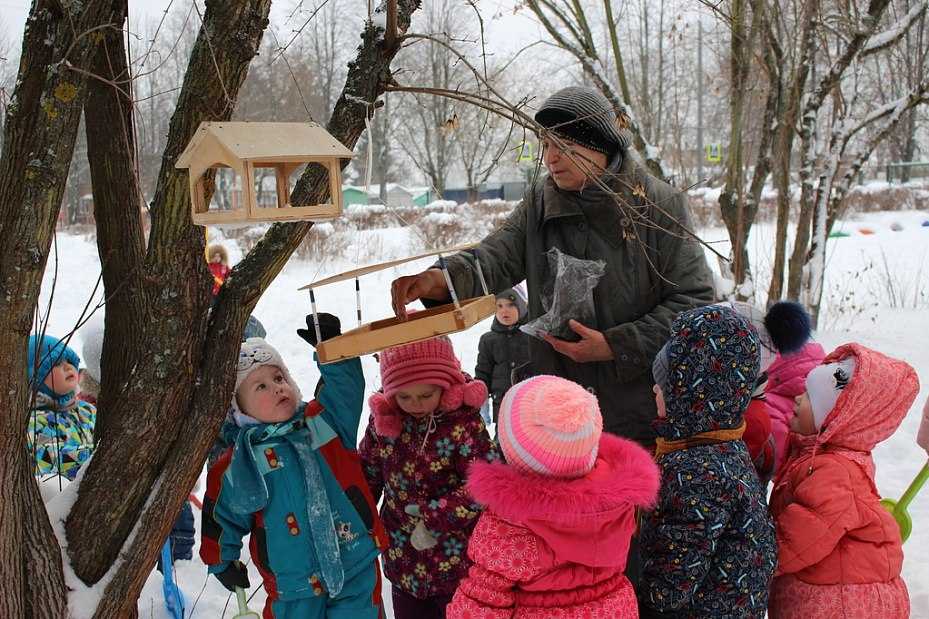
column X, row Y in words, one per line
column 329, row 327
column 236, row 575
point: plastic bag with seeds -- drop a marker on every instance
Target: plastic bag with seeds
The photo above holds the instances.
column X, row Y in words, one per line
column 567, row 294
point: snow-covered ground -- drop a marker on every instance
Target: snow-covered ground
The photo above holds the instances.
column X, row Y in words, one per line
column 861, row 269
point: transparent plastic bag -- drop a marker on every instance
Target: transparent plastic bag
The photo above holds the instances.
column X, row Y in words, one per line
column 569, row 295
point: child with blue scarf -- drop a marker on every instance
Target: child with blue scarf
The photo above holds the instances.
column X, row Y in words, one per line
column 60, row 431
column 292, row 479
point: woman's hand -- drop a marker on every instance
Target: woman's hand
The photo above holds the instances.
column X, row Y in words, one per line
column 430, row 284
column 592, row 346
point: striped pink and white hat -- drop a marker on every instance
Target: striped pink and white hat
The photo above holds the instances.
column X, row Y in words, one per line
column 550, row 426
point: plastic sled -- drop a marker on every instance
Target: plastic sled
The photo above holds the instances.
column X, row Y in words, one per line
column 898, row 508
column 866, row 231
column 174, row 599
column 244, row 611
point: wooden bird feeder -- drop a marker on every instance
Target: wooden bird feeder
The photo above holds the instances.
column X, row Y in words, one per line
column 245, row 147
column 380, row 334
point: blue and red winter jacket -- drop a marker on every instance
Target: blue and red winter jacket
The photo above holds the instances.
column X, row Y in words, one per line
column 282, row 545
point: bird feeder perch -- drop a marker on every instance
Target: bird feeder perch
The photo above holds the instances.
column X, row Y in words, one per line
column 380, row 334
column 247, row 146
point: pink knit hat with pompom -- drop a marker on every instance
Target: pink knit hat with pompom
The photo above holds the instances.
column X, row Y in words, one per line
column 550, row 426
column 429, row 362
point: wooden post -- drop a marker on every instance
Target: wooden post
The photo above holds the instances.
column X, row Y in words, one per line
column 390, row 36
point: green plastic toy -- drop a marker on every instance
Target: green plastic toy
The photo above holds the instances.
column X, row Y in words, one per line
column 898, row 508
column 244, row 611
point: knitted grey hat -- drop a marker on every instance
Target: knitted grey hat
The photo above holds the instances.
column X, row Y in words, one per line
column 511, row 294
column 584, row 116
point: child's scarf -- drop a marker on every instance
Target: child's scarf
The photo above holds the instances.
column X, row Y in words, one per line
column 664, row 446
column 305, row 435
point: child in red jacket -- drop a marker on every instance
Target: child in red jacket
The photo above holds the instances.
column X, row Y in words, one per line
column 559, row 515
column 839, row 550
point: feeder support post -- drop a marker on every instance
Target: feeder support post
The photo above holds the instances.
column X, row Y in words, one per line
column 319, row 337
column 480, row 273
column 448, row 281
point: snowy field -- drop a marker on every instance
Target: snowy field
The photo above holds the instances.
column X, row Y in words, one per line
column 877, row 294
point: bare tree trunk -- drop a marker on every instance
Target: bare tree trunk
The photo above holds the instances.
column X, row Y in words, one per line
column 39, row 134
column 808, row 120
column 785, row 132
column 737, row 210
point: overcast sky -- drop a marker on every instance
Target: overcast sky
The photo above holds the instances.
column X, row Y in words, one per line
column 506, row 32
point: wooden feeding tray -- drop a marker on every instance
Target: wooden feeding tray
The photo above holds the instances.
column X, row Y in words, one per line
column 244, row 147
column 422, row 325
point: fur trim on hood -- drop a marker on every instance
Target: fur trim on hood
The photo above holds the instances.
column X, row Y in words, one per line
column 588, row 520
column 388, row 417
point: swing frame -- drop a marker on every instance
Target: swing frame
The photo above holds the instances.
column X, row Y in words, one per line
column 375, row 336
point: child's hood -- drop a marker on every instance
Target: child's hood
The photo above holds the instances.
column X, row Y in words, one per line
column 457, row 399
column 588, row 520
column 873, row 404
column 713, row 364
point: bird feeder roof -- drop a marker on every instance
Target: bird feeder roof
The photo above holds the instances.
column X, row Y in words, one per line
column 260, row 141
column 371, row 268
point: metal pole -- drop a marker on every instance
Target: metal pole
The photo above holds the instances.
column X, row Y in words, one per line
column 700, row 148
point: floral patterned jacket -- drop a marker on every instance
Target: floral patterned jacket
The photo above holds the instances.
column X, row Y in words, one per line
column 419, row 466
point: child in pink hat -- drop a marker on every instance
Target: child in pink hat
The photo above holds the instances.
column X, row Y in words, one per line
column 559, row 515
column 426, row 430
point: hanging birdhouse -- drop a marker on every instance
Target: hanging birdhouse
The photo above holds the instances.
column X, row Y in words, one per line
column 376, row 336
column 256, row 165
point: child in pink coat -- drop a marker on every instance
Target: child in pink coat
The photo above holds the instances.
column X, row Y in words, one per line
column 559, row 515
column 788, row 327
column 839, row 550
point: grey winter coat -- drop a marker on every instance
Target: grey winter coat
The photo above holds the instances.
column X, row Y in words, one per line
column 651, row 276
column 501, row 351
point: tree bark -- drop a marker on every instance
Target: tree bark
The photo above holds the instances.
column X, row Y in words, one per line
column 117, row 209
column 165, row 469
column 785, row 133
column 737, row 208
column 808, row 120
column 39, row 135
column 171, row 322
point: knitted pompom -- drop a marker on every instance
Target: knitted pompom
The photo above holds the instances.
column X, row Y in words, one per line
column 387, row 420
column 789, row 326
column 472, row 393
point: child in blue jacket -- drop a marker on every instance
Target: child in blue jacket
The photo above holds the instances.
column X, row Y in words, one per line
column 292, row 479
column 60, row 430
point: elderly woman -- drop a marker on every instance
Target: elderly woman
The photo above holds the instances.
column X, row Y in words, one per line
column 654, row 270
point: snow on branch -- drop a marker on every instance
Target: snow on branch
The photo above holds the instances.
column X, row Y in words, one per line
column 885, row 39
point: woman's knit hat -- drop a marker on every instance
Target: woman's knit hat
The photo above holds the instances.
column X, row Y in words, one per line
column 550, row 426
column 429, row 362
column 254, row 353
column 584, row 116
